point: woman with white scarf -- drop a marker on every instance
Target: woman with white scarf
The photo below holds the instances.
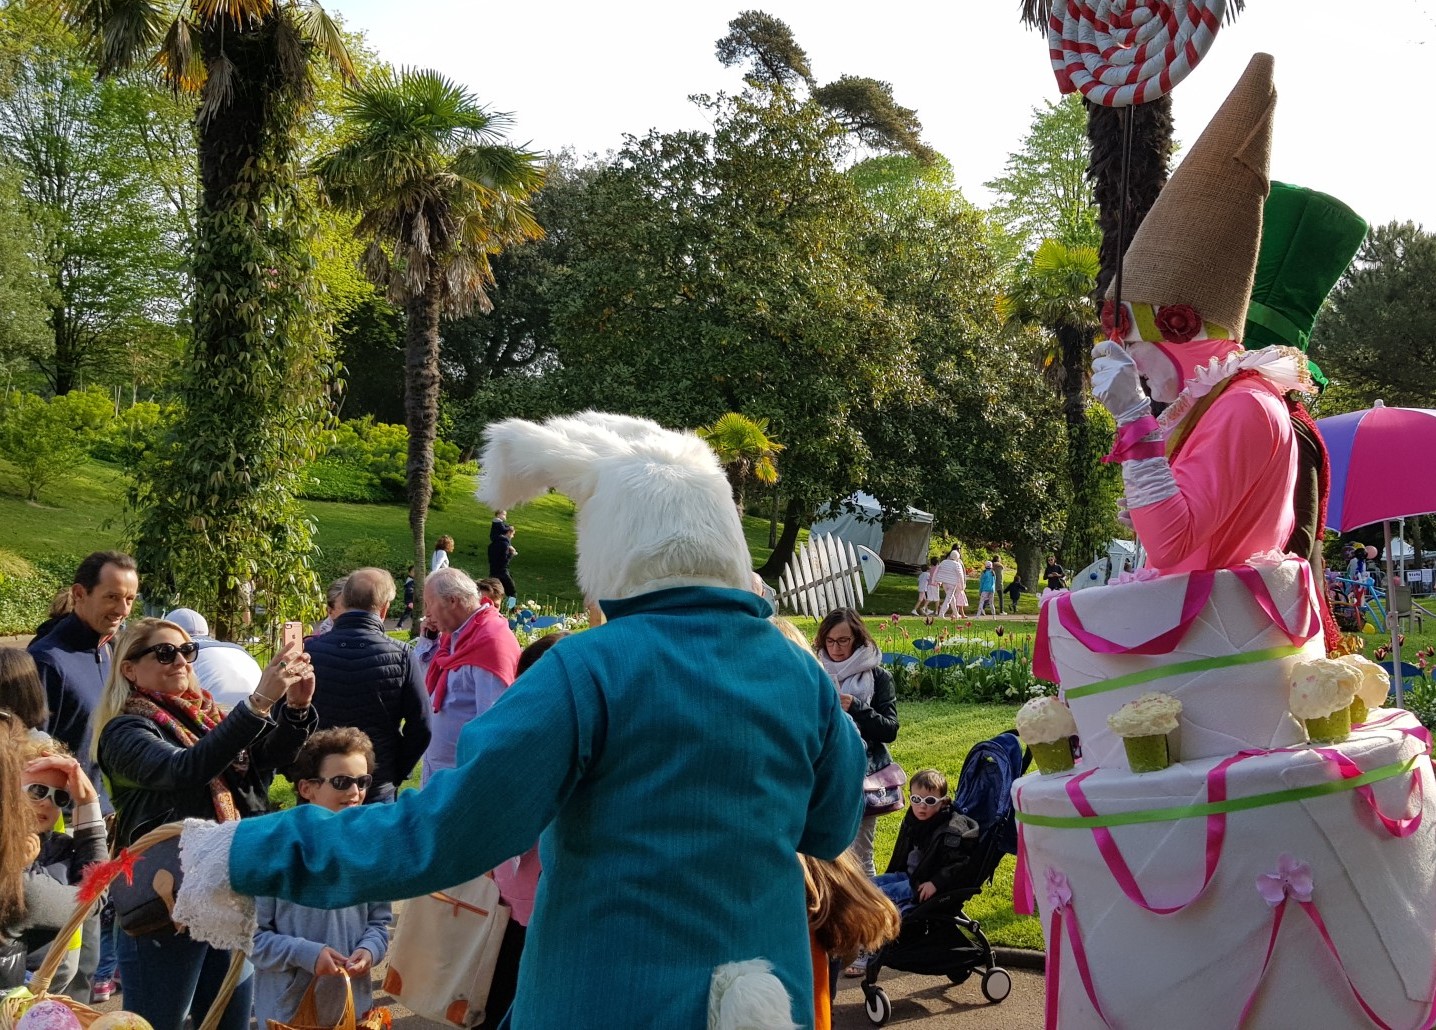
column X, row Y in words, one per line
column 847, row 651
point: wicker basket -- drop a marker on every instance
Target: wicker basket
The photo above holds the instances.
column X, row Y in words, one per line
column 19, row 1001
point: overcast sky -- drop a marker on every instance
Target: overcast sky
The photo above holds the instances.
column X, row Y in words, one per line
column 1356, row 82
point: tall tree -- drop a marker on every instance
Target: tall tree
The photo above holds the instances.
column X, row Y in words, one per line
column 725, row 272
column 1043, row 192
column 863, row 106
column 113, row 245
column 1374, row 337
column 422, row 164
column 24, row 288
column 215, row 503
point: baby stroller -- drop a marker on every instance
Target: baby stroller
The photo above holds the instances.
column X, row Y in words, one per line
column 937, row 937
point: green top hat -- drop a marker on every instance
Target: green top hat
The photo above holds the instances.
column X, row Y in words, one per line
column 1307, row 241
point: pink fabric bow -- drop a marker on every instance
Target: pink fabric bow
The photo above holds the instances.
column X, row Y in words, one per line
column 1059, row 894
column 1291, row 877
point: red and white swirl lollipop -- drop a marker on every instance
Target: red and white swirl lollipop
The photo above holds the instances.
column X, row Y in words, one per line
column 1123, row 52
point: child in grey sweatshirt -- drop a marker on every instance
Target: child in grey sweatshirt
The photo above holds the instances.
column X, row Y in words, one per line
column 296, row 943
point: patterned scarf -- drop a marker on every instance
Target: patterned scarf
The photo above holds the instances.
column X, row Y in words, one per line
column 186, row 718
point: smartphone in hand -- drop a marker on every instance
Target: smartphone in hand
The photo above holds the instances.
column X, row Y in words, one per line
column 292, row 633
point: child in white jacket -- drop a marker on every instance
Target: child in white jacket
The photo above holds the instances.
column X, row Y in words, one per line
column 295, row 943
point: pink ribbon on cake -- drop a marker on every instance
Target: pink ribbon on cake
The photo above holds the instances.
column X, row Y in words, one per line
column 1059, row 900
column 1261, row 593
column 1198, row 591
column 1216, row 830
column 1404, row 826
column 1292, row 881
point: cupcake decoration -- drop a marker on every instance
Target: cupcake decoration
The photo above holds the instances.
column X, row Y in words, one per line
column 1375, row 685
column 1045, row 724
column 1321, row 694
column 1143, row 725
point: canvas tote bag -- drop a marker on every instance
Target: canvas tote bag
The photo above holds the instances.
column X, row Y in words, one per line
column 443, row 957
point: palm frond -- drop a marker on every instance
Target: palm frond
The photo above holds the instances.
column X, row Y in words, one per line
column 236, row 12
column 501, row 169
column 289, row 52
column 324, row 33
column 179, row 63
column 1035, row 13
column 122, row 31
column 218, row 88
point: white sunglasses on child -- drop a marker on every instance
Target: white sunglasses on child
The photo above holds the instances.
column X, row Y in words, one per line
column 918, row 799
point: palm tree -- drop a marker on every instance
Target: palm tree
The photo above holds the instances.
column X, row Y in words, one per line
column 1150, row 156
column 745, row 450
column 437, row 193
column 1055, row 291
column 216, row 507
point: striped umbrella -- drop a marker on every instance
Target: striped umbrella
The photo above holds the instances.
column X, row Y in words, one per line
column 1380, row 465
column 1380, row 470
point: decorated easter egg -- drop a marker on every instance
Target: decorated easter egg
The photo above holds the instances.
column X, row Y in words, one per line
column 48, row 1015
column 121, row 1021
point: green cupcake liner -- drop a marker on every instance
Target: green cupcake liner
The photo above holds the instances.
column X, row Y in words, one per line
column 1053, row 757
column 1332, row 729
column 1147, row 753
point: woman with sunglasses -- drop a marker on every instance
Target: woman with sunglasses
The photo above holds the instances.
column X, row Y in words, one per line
column 57, row 788
column 169, row 752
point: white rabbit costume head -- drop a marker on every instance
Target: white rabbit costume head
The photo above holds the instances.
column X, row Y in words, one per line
column 655, row 509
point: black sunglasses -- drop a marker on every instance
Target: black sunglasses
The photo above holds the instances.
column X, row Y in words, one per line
column 41, row 791
column 165, row 653
column 344, row 782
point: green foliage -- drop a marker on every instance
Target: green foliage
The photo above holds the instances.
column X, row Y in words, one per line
column 125, row 439
column 1092, row 513
column 745, row 449
column 44, row 440
column 25, row 594
column 24, row 290
column 110, row 237
column 1374, row 337
column 1043, row 192
column 364, row 463
column 768, row 49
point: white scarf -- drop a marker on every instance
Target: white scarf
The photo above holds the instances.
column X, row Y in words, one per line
column 854, row 674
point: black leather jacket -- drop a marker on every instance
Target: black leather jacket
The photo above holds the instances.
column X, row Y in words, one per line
column 153, row 780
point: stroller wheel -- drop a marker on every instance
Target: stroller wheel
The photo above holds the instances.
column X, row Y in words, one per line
column 996, row 984
column 958, row 976
column 877, row 1006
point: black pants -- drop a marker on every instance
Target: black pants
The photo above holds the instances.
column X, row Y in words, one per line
column 506, row 976
column 502, row 575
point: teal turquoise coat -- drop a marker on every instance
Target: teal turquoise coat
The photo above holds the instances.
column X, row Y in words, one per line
column 674, row 761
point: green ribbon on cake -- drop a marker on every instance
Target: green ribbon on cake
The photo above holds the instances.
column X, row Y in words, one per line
column 1279, row 797
column 1182, row 668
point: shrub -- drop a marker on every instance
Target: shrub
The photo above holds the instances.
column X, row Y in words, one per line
column 45, row 440
column 366, row 463
column 125, row 439
column 25, row 593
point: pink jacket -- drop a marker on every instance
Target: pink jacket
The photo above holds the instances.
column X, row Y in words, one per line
column 518, row 884
column 1235, row 473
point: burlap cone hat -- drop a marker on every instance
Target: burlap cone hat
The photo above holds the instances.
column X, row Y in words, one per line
column 1198, row 244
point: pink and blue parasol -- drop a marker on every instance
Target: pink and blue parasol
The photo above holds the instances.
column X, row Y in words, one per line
column 1380, row 465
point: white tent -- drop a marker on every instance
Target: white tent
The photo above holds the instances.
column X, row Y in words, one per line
column 859, row 521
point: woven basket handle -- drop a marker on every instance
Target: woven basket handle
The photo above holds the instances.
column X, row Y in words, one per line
column 40, row 982
column 308, row 1012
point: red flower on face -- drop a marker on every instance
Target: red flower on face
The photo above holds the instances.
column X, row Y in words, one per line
column 1178, row 323
column 1108, row 322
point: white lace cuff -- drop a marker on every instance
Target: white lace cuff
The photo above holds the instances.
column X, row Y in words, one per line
column 206, row 905
column 1148, row 481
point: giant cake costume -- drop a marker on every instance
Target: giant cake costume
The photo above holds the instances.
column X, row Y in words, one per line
column 1258, row 880
column 671, row 763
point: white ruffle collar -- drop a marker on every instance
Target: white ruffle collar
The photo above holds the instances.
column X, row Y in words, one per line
column 1283, row 367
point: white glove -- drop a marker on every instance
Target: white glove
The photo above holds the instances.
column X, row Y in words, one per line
column 1117, row 383
column 1148, row 481
column 1124, row 513
column 206, row 905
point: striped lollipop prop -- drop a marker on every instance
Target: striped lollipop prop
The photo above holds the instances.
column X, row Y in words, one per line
column 1124, row 52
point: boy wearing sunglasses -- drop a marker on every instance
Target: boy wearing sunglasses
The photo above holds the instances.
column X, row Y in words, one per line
column 933, row 844
column 55, row 785
column 295, row 943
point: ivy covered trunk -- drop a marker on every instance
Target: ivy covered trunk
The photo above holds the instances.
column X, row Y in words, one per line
column 421, row 413
column 217, row 515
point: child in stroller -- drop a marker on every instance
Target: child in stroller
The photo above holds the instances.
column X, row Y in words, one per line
column 937, row 937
